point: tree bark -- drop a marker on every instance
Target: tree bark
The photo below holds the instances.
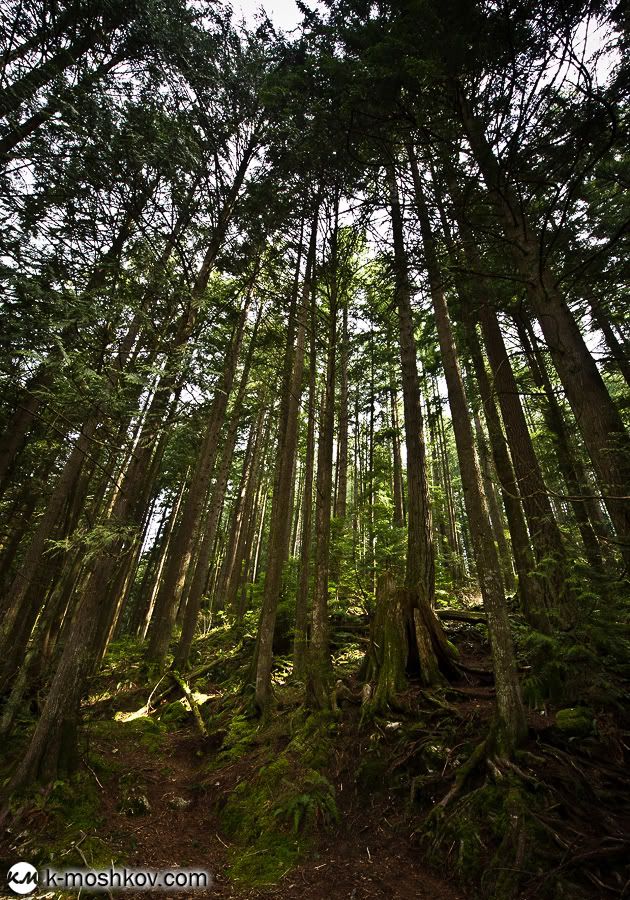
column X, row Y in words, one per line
column 209, row 531
column 342, row 430
column 319, row 665
column 300, row 641
column 427, row 644
column 597, row 417
column 496, row 518
column 511, row 715
column 545, row 536
column 180, row 555
column 399, row 508
column 564, row 453
column 619, row 354
column 281, row 510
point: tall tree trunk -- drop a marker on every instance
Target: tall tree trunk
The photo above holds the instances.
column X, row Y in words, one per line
column 30, row 400
column 148, row 604
column 456, row 558
column 342, row 430
column 151, row 562
column 209, row 531
column 530, row 588
column 300, row 641
column 32, row 559
column 564, row 453
column 52, row 749
column 597, row 417
column 243, row 535
column 493, row 505
column 319, row 665
column 513, row 727
column 29, row 126
column 281, row 510
column 399, row 509
column 171, row 589
column 545, row 536
column 619, row 354
column 427, row 646
column 23, row 89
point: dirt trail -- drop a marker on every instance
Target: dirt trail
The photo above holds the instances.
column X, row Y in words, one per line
column 369, row 855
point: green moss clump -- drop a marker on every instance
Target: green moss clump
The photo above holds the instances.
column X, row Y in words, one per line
column 272, row 815
column 75, row 803
column 175, row 714
column 103, row 765
column 453, row 648
column 73, row 818
column 267, row 861
column 240, row 737
column 576, row 721
column 146, row 731
column 492, row 837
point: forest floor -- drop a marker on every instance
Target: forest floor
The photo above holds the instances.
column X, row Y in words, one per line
column 333, row 807
column 369, row 855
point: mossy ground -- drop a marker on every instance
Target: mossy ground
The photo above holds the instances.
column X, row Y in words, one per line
column 272, row 813
column 264, row 798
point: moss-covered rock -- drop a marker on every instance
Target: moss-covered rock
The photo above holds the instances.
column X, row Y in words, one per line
column 576, row 721
column 134, row 802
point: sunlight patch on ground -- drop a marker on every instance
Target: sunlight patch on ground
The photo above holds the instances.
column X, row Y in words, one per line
column 199, row 697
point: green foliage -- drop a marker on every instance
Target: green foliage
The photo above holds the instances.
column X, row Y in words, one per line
column 548, row 677
column 587, row 663
column 241, row 736
column 74, row 802
column 273, row 812
column 314, row 806
column 72, row 811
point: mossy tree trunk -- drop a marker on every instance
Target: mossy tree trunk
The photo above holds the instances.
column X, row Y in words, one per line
column 387, row 657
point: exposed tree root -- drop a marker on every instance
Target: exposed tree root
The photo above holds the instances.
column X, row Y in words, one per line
column 504, row 818
column 478, row 755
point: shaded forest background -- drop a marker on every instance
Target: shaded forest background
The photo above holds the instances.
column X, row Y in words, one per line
column 315, row 355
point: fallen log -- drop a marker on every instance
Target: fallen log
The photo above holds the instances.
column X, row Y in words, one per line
column 462, row 615
column 192, row 676
column 199, row 722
